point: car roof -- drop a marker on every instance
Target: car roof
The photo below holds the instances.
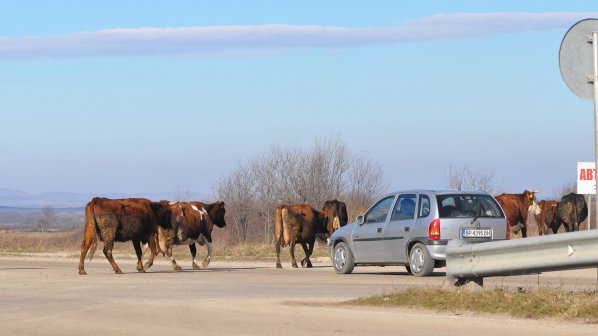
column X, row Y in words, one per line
column 439, row 192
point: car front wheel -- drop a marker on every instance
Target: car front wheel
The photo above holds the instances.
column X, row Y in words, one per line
column 342, row 258
column 420, row 261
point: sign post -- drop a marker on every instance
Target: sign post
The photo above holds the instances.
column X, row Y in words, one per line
column 578, row 61
column 586, row 184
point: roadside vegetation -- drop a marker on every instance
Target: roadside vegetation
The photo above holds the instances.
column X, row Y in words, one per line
column 69, row 242
column 537, row 304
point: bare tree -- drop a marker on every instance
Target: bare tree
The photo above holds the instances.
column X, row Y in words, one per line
column 565, row 188
column 366, row 183
column 46, row 219
column 468, row 179
column 296, row 175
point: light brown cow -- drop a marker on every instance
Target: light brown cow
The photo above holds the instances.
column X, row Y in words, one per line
column 547, row 217
column 118, row 220
column 297, row 224
column 516, row 207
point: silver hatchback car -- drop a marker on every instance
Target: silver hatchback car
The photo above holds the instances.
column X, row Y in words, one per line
column 413, row 227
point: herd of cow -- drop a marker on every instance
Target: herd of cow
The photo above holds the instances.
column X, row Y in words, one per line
column 522, row 210
column 158, row 224
column 161, row 225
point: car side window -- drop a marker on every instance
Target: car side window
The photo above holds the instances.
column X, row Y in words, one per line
column 378, row 212
column 404, row 207
column 424, row 206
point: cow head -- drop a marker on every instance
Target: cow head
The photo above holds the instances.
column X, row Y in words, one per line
column 335, row 215
column 217, row 213
column 529, row 197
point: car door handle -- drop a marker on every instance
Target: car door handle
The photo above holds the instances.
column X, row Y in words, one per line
column 379, row 230
column 406, row 229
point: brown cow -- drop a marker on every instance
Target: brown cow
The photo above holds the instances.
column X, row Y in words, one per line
column 170, row 217
column 547, row 217
column 216, row 212
column 335, row 213
column 184, row 223
column 118, row 220
column 516, row 207
column 297, row 223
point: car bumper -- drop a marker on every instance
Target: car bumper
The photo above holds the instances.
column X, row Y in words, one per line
column 438, row 252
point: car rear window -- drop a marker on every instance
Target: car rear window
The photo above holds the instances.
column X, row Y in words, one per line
column 464, row 205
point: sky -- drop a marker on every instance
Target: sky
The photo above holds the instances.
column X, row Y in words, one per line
column 154, row 96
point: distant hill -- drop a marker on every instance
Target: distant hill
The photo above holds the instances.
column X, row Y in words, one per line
column 11, row 200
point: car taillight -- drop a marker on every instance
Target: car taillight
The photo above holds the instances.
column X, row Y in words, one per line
column 508, row 229
column 434, row 230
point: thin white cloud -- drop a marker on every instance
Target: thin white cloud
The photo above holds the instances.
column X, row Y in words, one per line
column 259, row 39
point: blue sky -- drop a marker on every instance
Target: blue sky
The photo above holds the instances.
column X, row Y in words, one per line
column 131, row 96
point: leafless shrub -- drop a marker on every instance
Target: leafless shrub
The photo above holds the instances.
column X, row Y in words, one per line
column 565, row 188
column 295, row 175
column 46, row 219
column 468, row 179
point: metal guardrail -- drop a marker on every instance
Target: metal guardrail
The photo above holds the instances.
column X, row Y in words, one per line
column 467, row 262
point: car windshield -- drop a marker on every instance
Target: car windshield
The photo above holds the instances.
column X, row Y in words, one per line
column 456, row 206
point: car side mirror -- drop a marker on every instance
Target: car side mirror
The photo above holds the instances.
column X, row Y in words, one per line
column 360, row 220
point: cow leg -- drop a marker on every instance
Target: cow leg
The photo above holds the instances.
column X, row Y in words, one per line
column 308, row 251
column 524, row 231
column 175, row 266
column 88, row 238
column 277, row 245
column 293, row 261
column 139, row 253
column 206, row 261
column 153, row 246
column 108, row 245
column 193, row 251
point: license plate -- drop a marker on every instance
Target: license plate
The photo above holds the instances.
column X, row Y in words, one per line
column 476, row 233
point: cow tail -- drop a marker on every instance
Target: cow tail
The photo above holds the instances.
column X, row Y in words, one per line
column 286, row 239
column 92, row 224
column 277, row 223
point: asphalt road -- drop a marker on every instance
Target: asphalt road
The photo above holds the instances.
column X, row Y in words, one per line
column 46, row 296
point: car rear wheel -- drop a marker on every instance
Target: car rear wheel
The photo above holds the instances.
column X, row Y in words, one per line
column 342, row 258
column 420, row 261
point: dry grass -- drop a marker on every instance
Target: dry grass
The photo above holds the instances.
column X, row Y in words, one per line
column 38, row 242
column 70, row 242
column 544, row 303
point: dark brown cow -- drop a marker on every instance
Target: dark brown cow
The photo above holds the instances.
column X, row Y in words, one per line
column 297, row 223
column 335, row 213
column 118, row 220
column 547, row 216
column 216, row 211
column 571, row 211
column 516, row 207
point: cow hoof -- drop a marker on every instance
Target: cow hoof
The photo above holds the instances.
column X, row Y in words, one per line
column 178, row 268
column 141, row 270
column 295, row 265
column 82, row 272
column 196, row 267
column 309, row 265
column 148, row 265
column 278, row 266
column 118, row 271
column 205, row 263
column 303, row 263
